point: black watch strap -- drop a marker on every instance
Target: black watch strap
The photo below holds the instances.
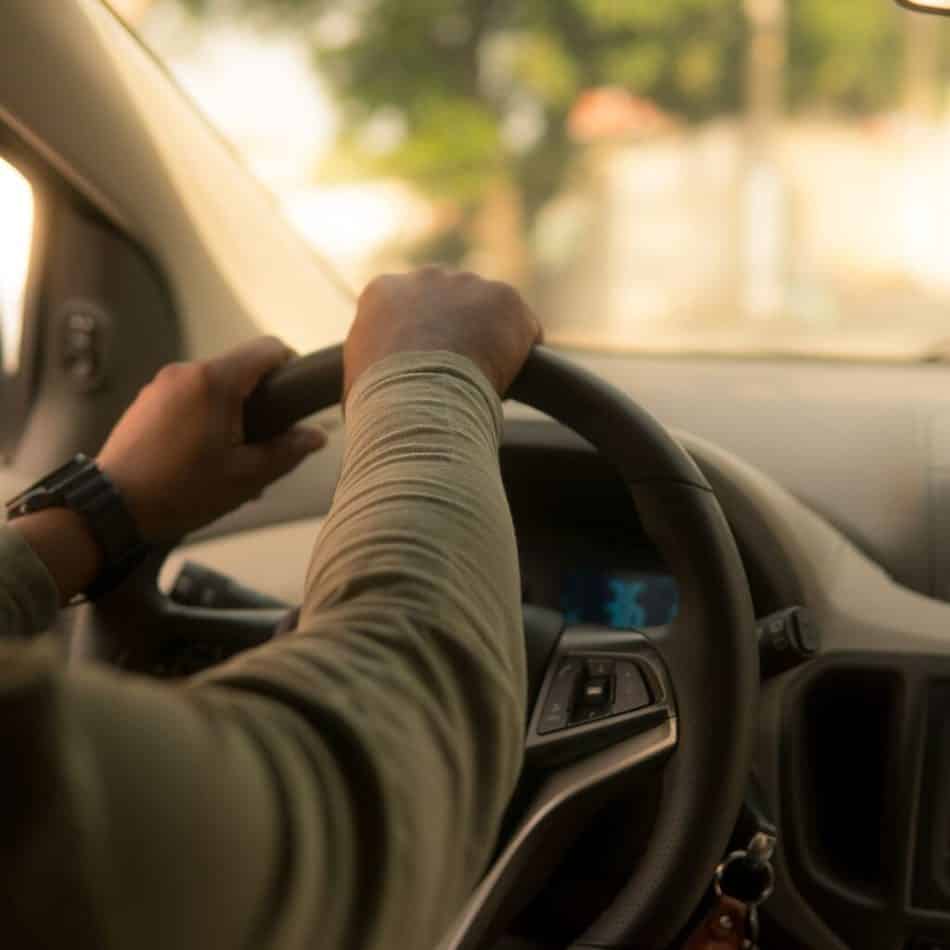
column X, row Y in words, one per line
column 81, row 486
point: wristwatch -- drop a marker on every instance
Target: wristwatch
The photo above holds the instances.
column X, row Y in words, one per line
column 81, row 486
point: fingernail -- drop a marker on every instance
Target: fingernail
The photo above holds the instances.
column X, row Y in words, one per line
column 308, row 440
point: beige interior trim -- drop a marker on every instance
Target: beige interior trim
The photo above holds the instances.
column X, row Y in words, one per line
column 271, row 560
column 116, row 126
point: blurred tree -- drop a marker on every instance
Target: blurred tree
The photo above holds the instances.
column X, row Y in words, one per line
column 468, row 98
column 846, row 55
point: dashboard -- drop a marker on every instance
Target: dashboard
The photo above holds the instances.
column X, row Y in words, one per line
column 582, row 548
column 837, row 733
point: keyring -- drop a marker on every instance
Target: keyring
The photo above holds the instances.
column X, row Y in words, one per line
column 731, row 859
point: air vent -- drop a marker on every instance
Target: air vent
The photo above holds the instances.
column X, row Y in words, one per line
column 932, row 863
column 849, row 753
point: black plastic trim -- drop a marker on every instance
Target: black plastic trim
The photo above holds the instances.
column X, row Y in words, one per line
column 576, row 741
column 880, row 912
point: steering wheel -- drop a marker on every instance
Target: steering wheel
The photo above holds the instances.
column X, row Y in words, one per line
column 682, row 698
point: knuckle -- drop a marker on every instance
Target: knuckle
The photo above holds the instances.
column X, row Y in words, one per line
column 274, row 343
column 377, row 287
column 505, row 295
column 432, row 272
column 537, row 329
column 467, row 280
column 196, row 381
column 274, row 349
column 169, row 375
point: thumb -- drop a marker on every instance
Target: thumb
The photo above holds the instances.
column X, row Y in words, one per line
column 265, row 462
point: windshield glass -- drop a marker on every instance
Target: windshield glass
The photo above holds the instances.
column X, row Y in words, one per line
column 740, row 176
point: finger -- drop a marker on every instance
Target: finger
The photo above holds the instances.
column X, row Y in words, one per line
column 433, row 272
column 241, row 369
column 265, row 462
column 538, row 326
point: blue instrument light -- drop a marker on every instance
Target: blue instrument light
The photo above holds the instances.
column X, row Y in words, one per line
column 622, row 600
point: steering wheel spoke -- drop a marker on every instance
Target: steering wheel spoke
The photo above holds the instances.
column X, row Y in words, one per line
column 603, row 721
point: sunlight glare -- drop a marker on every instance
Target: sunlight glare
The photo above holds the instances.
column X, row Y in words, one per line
column 350, row 222
column 16, row 241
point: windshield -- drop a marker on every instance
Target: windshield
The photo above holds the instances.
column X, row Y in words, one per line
column 761, row 177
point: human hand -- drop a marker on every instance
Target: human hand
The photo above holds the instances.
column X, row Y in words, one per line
column 435, row 309
column 178, row 454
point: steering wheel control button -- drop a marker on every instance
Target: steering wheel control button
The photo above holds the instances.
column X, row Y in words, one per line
column 631, row 691
column 554, row 716
column 594, row 695
column 598, row 666
column 557, row 705
column 596, row 691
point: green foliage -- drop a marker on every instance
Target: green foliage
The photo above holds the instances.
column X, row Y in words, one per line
column 453, row 148
column 545, row 65
column 845, row 54
column 457, row 71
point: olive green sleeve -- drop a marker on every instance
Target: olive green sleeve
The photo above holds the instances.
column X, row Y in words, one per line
column 28, row 597
column 339, row 787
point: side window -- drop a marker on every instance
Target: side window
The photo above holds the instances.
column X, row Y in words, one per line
column 17, row 233
column 16, row 244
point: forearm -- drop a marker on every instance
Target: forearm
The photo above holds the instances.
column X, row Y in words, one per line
column 409, row 649
column 62, row 541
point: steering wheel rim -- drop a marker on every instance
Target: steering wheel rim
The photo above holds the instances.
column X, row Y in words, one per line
column 709, row 650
